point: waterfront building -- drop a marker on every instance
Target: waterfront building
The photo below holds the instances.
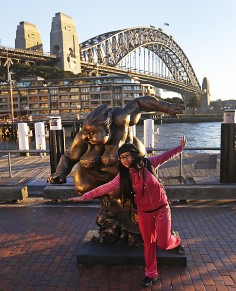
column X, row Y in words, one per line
column 70, row 98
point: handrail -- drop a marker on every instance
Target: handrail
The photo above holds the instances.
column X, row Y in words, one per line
column 23, row 151
column 9, row 152
column 186, row 149
column 2, row 151
column 149, row 150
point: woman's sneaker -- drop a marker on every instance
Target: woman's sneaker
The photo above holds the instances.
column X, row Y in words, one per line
column 147, row 282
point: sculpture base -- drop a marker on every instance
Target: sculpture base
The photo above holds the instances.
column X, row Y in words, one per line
column 94, row 253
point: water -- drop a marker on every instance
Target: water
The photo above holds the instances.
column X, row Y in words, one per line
column 206, row 134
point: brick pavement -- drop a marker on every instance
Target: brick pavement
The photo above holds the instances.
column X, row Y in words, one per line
column 39, row 242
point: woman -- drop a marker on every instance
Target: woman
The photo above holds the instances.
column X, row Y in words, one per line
column 94, row 149
column 138, row 184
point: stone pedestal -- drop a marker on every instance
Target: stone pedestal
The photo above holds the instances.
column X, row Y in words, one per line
column 94, row 253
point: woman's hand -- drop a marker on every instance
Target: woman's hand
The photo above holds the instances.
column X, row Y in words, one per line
column 79, row 198
column 183, row 142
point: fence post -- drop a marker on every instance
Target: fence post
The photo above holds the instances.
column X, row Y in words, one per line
column 181, row 165
column 9, row 164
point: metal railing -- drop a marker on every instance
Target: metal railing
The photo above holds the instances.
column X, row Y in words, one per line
column 181, row 154
column 21, row 152
column 149, row 150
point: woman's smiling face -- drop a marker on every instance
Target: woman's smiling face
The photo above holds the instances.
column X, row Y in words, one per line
column 126, row 159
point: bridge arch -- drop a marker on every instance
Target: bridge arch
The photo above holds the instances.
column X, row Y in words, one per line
column 111, row 48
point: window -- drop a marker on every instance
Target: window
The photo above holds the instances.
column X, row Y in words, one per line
column 117, row 89
column 117, row 96
column 128, row 95
column 106, row 96
column 95, row 96
column 117, row 103
column 53, row 91
column 33, row 99
column 95, row 89
column 43, row 98
column 54, row 98
column 43, row 91
column 84, row 89
column 127, row 88
column 33, row 91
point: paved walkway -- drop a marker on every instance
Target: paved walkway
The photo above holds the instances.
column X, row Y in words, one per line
column 39, row 242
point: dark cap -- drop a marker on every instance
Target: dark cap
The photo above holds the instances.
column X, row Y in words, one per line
column 128, row 147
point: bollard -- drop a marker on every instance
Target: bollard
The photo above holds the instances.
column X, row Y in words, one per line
column 40, row 137
column 149, row 133
column 9, row 164
column 23, row 134
column 133, row 130
column 228, row 144
column 56, row 142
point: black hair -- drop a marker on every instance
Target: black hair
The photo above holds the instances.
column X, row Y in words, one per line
column 126, row 188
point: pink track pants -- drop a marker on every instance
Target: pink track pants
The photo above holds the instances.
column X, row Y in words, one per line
column 155, row 228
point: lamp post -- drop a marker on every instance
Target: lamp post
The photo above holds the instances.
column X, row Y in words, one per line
column 27, row 111
column 11, row 95
column 8, row 63
column 78, row 114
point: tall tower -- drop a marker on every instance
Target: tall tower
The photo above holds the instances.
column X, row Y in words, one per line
column 28, row 37
column 64, row 43
column 205, row 97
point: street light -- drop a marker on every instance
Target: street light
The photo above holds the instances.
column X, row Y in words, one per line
column 8, row 63
column 11, row 95
column 27, row 111
column 78, row 114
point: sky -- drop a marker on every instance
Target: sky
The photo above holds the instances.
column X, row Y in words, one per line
column 204, row 29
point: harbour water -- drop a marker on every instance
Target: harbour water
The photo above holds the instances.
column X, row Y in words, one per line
column 199, row 135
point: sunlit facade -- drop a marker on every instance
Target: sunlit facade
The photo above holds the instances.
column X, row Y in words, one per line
column 70, row 98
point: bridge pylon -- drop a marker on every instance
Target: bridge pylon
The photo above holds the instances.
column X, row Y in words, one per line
column 28, row 37
column 64, row 43
column 205, row 97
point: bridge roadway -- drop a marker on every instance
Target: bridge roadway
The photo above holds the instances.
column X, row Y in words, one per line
column 185, row 89
column 25, row 55
column 155, row 80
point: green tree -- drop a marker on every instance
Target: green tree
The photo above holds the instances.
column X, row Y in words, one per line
column 193, row 102
column 174, row 100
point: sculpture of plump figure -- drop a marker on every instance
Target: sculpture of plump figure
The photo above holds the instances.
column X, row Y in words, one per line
column 93, row 156
column 94, row 149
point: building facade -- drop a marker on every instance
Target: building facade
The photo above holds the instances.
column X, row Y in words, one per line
column 70, row 98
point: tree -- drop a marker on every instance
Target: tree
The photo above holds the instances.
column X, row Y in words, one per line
column 193, row 102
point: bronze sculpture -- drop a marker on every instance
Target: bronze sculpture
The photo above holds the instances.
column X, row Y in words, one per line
column 94, row 154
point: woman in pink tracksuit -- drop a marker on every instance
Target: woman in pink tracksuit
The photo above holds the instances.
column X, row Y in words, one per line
column 138, row 184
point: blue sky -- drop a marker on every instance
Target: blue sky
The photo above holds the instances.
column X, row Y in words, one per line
column 204, row 29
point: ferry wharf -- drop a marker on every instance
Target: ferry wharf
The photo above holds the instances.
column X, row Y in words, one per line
column 41, row 237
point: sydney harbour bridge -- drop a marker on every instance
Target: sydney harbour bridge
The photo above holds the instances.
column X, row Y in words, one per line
column 145, row 53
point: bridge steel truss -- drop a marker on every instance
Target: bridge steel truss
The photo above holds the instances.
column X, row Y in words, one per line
column 107, row 51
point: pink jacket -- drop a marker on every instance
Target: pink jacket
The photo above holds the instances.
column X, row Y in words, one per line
column 149, row 193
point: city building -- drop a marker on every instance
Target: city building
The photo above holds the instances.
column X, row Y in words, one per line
column 70, row 98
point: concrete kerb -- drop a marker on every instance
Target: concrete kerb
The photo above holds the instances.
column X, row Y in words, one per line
column 13, row 193
column 175, row 192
